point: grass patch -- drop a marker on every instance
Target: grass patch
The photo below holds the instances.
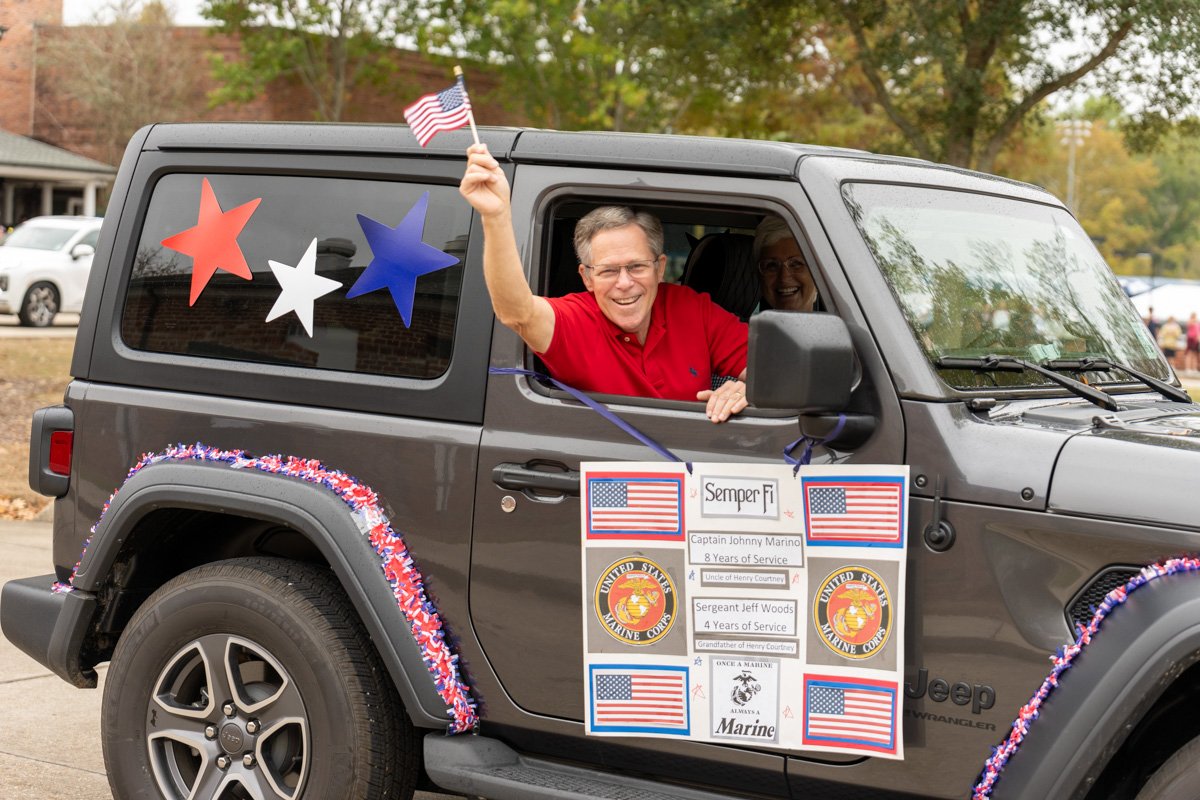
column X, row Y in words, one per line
column 35, row 372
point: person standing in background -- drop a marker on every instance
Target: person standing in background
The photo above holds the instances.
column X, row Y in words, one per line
column 1151, row 322
column 1169, row 336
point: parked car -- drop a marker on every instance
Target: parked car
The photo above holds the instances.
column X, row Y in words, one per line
column 44, row 266
column 278, row 629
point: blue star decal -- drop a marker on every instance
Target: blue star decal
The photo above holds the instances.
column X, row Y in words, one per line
column 400, row 257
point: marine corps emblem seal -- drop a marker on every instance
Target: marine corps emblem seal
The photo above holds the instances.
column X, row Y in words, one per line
column 852, row 610
column 635, row 600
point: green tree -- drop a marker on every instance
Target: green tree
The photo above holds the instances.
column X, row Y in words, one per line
column 1113, row 186
column 1175, row 206
column 959, row 78
column 329, row 46
column 948, row 80
column 634, row 65
column 1143, row 210
column 802, row 93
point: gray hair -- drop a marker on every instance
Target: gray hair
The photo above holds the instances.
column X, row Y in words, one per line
column 606, row 218
column 770, row 231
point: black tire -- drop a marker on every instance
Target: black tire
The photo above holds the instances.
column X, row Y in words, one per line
column 39, row 306
column 314, row 713
column 1178, row 777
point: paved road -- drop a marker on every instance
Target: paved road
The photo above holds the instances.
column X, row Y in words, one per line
column 49, row 730
column 63, row 328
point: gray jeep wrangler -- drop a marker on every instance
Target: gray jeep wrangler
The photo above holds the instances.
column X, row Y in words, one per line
column 334, row 538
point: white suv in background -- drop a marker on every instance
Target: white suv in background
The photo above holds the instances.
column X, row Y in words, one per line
column 44, row 267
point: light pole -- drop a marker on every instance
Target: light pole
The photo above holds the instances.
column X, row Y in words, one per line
column 1151, row 268
column 1072, row 133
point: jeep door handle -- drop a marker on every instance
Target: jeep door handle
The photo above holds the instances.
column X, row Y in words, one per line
column 525, row 477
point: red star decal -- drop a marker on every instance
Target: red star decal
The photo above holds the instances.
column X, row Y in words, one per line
column 212, row 243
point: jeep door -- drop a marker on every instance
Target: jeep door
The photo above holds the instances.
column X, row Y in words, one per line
column 526, row 589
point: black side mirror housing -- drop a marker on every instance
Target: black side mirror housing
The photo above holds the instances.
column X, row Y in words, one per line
column 806, row 361
column 800, row 360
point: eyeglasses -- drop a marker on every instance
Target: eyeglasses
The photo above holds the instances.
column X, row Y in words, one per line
column 610, row 272
column 771, row 266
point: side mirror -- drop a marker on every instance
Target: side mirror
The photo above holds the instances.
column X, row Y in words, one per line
column 806, row 361
column 800, row 360
column 82, row 250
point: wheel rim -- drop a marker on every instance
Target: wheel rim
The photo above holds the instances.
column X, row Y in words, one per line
column 226, row 721
column 41, row 306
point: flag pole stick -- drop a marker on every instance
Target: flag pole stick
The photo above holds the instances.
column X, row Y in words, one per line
column 462, row 84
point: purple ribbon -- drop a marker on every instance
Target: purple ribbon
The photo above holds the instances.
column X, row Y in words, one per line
column 599, row 408
column 809, row 444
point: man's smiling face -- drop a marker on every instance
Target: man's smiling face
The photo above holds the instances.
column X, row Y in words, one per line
column 624, row 298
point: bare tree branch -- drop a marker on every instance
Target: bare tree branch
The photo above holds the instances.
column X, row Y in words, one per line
column 1020, row 110
column 882, row 96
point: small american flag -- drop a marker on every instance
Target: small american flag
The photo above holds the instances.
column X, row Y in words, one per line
column 645, row 698
column 851, row 715
column 446, row 110
column 869, row 510
column 629, row 504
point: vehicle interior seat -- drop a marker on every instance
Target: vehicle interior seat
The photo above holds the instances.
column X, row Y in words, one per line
column 722, row 264
column 564, row 277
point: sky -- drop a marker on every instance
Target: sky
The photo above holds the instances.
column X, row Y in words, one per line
column 78, row 12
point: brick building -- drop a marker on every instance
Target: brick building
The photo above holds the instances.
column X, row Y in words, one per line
column 76, row 150
column 36, row 177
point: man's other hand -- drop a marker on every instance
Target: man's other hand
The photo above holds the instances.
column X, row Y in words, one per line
column 728, row 399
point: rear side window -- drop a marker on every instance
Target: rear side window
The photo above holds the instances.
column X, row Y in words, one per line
column 394, row 250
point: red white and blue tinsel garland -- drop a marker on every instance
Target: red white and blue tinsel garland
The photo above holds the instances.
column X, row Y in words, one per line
column 1062, row 661
column 408, row 586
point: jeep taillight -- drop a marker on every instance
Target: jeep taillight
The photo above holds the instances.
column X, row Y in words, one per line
column 60, row 452
column 51, row 442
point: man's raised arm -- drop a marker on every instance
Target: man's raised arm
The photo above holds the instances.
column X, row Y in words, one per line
column 486, row 188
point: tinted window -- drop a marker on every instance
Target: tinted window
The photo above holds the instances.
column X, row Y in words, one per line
column 365, row 333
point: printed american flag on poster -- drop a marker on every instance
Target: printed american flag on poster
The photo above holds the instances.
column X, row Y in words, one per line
column 634, row 506
column 446, row 110
column 854, row 512
column 857, row 715
column 638, row 699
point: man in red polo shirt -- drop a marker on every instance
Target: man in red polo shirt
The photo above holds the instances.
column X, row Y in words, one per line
column 629, row 333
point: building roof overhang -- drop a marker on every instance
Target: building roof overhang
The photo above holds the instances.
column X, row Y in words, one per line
column 28, row 159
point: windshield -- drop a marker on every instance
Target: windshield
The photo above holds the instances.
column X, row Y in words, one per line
column 39, row 237
column 979, row 275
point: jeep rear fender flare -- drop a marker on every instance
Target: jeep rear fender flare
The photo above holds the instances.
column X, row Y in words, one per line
column 310, row 509
column 1132, row 660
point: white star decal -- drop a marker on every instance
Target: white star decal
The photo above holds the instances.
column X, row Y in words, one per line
column 301, row 287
